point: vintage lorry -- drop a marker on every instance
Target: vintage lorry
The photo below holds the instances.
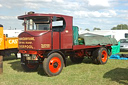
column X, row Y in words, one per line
column 49, row 38
column 8, row 45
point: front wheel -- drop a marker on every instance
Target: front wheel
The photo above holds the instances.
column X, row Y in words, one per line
column 53, row 65
column 100, row 56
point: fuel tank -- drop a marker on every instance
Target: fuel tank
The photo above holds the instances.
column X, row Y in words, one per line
column 35, row 40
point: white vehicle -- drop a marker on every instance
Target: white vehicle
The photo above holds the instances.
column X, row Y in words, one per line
column 123, row 44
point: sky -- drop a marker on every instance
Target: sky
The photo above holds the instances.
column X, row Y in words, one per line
column 103, row 14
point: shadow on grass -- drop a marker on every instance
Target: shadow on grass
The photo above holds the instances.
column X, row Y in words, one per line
column 69, row 62
column 41, row 71
column 16, row 66
column 86, row 61
column 119, row 75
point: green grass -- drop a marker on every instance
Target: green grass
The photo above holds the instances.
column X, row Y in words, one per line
column 115, row 72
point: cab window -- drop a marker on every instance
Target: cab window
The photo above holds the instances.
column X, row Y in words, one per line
column 38, row 23
column 58, row 24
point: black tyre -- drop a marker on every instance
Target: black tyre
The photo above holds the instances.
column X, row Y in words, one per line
column 100, row 56
column 76, row 59
column 28, row 67
column 53, row 65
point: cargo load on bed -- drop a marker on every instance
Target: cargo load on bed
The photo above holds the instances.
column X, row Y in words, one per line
column 92, row 39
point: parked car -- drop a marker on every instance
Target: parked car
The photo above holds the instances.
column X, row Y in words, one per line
column 123, row 44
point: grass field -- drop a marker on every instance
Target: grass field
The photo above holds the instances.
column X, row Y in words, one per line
column 115, row 72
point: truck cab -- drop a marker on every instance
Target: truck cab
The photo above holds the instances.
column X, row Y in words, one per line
column 50, row 31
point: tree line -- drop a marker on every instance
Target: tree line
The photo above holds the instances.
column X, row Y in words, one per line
column 120, row 27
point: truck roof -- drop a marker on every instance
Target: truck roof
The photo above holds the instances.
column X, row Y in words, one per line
column 41, row 15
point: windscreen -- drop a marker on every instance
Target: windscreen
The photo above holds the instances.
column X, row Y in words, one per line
column 38, row 23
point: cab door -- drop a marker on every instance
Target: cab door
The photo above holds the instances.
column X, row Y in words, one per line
column 56, row 40
column 62, row 33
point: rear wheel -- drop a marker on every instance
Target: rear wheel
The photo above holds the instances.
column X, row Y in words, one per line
column 53, row 65
column 100, row 55
column 76, row 59
column 28, row 67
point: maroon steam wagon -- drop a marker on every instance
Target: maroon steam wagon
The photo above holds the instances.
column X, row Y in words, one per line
column 45, row 42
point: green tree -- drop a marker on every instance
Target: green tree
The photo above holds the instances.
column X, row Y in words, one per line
column 114, row 28
column 87, row 29
column 96, row 28
column 120, row 27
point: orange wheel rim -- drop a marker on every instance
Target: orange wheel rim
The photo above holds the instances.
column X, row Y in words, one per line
column 55, row 64
column 104, row 56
